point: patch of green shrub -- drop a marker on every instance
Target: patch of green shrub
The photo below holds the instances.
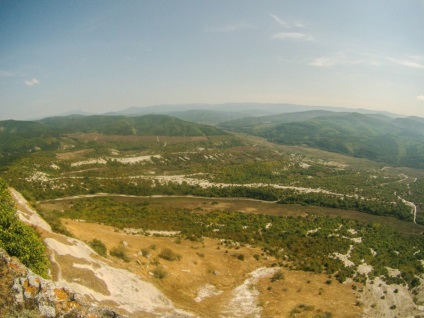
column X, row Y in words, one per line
column 99, row 247
column 19, row 239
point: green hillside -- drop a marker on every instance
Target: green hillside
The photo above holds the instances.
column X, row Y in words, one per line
column 256, row 124
column 396, row 142
column 148, row 125
column 18, row 138
column 21, row 138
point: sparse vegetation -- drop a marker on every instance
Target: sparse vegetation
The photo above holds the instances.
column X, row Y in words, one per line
column 120, row 252
column 169, row 255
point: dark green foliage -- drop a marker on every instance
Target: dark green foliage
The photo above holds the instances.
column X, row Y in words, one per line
column 99, row 247
column 397, row 209
column 19, row 239
column 20, row 138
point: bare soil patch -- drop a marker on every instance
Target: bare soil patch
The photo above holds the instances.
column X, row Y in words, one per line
column 74, row 154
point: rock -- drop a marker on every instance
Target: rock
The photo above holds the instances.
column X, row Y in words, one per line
column 33, row 281
column 51, row 300
column 47, row 311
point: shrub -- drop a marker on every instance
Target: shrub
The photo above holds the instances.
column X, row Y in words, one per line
column 277, row 276
column 120, row 252
column 99, row 247
column 145, row 252
column 19, row 239
column 160, row 272
column 169, row 255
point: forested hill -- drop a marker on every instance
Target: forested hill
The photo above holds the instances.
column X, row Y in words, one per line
column 397, row 141
column 19, row 138
column 26, row 136
column 147, row 125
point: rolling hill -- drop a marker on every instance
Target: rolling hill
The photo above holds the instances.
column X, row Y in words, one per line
column 147, row 125
column 19, row 138
column 397, row 141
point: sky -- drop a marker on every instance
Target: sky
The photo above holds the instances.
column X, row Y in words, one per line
column 100, row 56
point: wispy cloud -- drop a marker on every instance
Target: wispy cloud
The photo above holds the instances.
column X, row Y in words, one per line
column 32, row 82
column 279, row 21
column 345, row 59
column 286, row 24
column 293, row 36
column 410, row 61
column 329, row 61
column 420, row 98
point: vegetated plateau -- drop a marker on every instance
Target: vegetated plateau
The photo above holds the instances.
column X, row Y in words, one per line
column 266, row 192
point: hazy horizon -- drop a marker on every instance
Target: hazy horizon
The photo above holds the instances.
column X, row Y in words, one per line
column 99, row 57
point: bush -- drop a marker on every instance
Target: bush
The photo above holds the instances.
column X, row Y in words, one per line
column 145, row 252
column 120, row 252
column 160, row 272
column 99, row 247
column 19, row 239
column 277, row 276
column 169, row 255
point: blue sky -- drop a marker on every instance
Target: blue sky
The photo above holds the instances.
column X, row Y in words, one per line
column 99, row 56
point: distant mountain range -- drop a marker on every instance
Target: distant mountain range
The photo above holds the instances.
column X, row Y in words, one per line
column 216, row 113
